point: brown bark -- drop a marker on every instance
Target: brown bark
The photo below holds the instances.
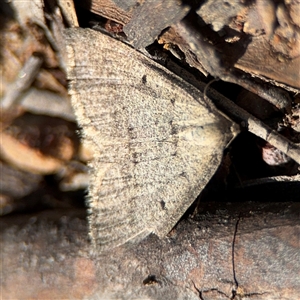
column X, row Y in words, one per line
column 243, row 251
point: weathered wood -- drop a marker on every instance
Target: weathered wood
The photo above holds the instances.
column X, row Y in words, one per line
column 151, row 18
column 273, row 39
column 245, row 249
column 257, row 60
column 267, row 51
column 110, row 9
column 220, row 66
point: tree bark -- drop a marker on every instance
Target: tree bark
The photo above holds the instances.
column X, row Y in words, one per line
column 242, row 251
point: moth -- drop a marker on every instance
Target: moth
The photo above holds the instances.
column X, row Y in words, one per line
column 156, row 141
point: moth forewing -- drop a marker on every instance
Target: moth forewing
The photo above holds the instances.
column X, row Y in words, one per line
column 157, row 142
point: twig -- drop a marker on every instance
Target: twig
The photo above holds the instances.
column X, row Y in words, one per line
column 254, row 125
column 25, row 78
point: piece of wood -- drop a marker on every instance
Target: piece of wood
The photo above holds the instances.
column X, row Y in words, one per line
column 272, row 51
column 249, row 250
column 150, row 18
column 110, row 9
column 220, row 66
column 24, row 80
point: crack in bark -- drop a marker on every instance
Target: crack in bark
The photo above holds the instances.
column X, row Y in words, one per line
column 215, row 290
column 254, row 294
column 200, row 292
column 220, row 292
column 234, row 290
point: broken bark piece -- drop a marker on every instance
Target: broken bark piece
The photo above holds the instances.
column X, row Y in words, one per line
column 150, row 18
column 219, row 65
column 273, row 51
column 118, row 11
column 172, row 37
column 258, row 62
column 68, row 10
